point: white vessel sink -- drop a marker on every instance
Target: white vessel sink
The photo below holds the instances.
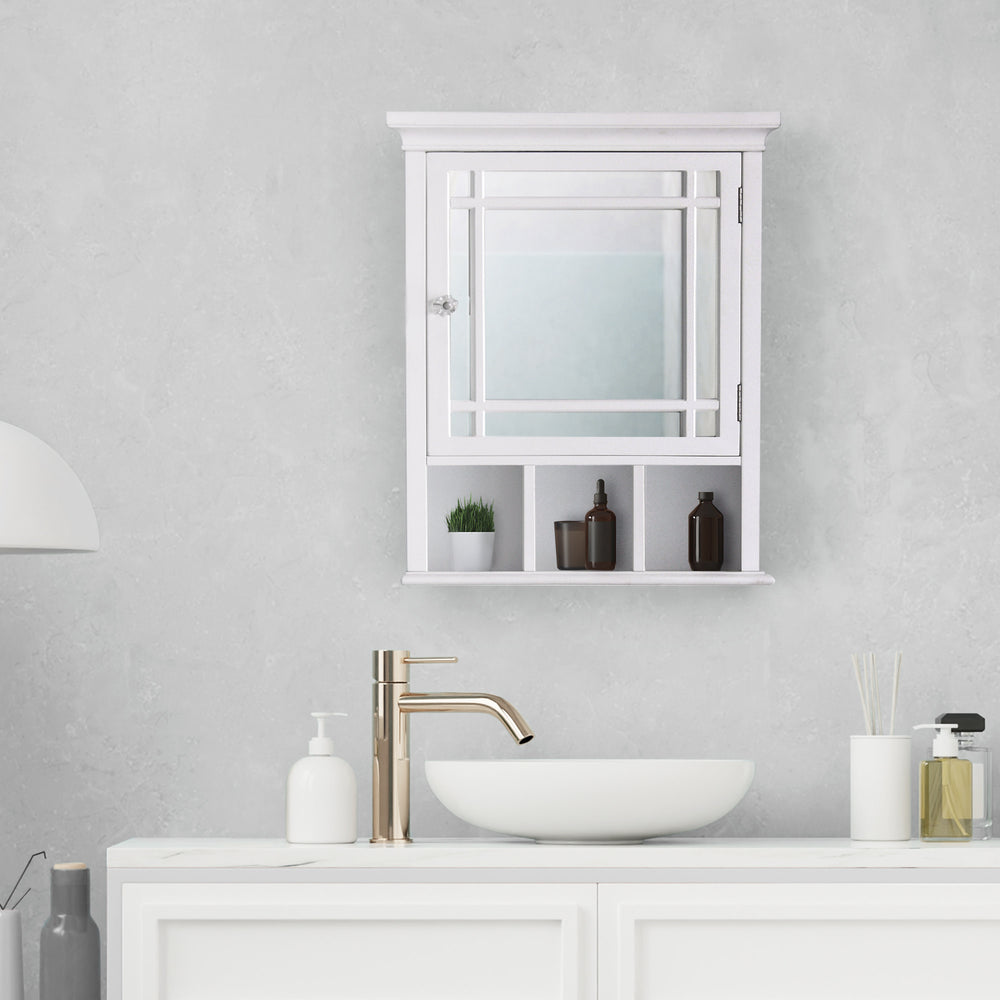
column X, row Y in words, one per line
column 589, row 801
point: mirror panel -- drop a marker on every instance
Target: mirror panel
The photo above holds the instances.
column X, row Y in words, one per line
column 566, row 291
column 706, row 304
column 459, row 326
column 583, row 183
column 603, row 424
column 706, row 423
column 706, row 183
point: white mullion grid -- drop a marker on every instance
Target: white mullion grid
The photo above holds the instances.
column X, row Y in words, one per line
column 690, row 318
column 578, row 203
column 477, row 312
column 584, row 405
column 664, row 221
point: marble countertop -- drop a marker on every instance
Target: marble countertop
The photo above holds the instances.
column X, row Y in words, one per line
column 675, row 853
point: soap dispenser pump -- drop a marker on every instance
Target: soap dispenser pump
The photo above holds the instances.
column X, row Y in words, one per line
column 321, row 805
column 945, row 789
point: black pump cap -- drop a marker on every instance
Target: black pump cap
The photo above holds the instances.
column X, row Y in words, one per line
column 965, row 722
column 600, row 496
column 706, row 496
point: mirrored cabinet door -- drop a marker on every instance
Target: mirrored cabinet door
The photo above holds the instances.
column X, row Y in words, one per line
column 583, row 303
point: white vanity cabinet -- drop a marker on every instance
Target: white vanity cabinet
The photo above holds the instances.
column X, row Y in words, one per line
column 583, row 301
column 273, row 941
column 858, row 941
column 671, row 920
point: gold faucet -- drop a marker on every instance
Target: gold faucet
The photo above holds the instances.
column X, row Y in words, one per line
column 392, row 702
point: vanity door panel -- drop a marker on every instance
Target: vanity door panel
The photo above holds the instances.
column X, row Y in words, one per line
column 267, row 941
column 787, row 942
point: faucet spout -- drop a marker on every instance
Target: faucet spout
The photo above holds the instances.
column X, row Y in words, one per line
column 491, row 704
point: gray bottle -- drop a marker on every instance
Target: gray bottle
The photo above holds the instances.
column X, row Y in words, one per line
column 70, row 960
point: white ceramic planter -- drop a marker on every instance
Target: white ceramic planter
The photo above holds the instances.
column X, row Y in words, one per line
column 11, row 981
column 471, row 551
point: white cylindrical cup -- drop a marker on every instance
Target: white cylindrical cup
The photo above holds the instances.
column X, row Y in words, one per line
column 11, row 974
column 880, row 787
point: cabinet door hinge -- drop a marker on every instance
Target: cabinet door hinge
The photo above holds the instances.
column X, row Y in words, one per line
column 739, row 402
column 739, row 210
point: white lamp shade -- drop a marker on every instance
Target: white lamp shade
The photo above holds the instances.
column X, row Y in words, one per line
column 43, row 505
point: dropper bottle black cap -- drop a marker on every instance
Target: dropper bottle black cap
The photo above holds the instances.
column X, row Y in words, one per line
column 600, row 496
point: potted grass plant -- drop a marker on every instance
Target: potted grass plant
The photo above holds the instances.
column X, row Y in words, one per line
column 472, row 531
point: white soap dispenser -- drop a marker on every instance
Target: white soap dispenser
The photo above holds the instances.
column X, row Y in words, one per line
column 321, row 805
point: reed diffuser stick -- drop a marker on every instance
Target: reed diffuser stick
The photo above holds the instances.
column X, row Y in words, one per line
column 861, row 693
column 870, row 692
column 879, row 731
column 895, row 692
column 866, row 660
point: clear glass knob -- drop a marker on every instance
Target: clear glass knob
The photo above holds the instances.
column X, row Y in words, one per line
column 443, row 305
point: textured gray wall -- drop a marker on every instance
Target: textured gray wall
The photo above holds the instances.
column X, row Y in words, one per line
column 201, row 288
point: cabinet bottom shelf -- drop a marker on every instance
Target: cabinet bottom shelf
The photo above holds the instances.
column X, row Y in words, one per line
column 583, row 578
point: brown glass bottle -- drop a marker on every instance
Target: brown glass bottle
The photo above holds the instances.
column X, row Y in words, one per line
column 705, row 534
column 601, row 531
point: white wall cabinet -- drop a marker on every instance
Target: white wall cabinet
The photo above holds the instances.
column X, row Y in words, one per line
column 552, row 941
column 583, row 302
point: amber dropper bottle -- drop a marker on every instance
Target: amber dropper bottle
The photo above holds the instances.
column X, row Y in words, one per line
column 601, row 531
column 705, row 534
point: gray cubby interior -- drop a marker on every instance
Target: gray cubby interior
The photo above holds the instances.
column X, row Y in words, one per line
column 566, row 493
column 671, row 494
column 501, row 484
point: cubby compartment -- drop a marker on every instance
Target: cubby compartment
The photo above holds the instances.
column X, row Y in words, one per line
column 566, row 493
column 501, row 484
column 651, row 502
column 671, row 494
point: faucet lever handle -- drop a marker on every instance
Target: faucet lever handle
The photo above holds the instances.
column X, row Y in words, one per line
column 392, row 666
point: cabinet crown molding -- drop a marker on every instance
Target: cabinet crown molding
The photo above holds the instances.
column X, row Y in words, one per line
column 541, row 131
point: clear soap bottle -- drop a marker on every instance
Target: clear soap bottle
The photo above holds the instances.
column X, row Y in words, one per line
column 969, row 729
column 601, row 532
column 945, row 789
